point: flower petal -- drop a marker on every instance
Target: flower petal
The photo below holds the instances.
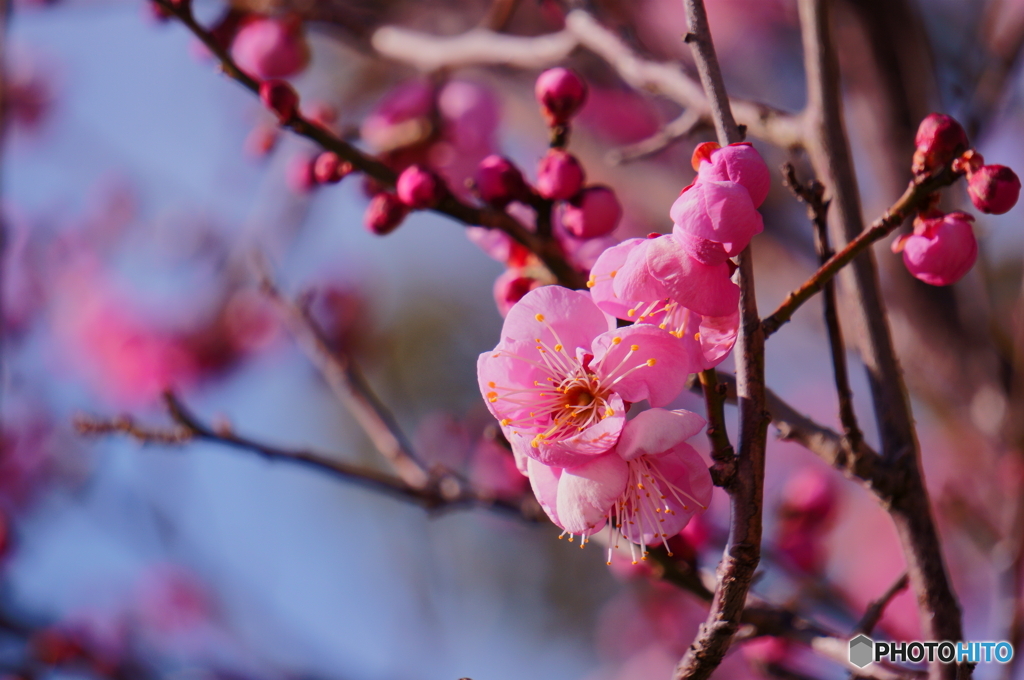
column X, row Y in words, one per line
column 657, row 431
column 510, row 367
column 586, row 493
column 556, row 315
column 656, row 370
column 544, row 482
column 593, row 441
column 603, row 275
column 705, row 289
column 717, row 211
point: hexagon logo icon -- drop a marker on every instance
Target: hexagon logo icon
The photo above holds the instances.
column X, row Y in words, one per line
column 862, row 649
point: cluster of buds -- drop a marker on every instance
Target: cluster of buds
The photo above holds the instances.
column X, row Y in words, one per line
column 942, row 247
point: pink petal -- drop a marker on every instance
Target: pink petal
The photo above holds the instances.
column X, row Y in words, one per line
column 721, row 212
column 656, row 371
column 544, row 482
column 556, row 315
column 656, row 431
column 603, row 275
column 505, row 368
column 685, row 470
column 704, row 289
column 740, row 163
column 586, row 493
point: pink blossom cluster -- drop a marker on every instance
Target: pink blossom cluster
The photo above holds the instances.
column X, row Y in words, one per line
column 560, row 383
column 942, row 248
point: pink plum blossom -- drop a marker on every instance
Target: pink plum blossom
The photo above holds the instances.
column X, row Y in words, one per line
column 510, row 287
column 638, row 282
column 271, row 47
column 941, row 250
column 739, row 163
column 715, row 220
column 560, row 379
column 939, row 139
column 647, row 488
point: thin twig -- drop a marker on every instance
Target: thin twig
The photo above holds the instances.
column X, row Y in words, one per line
column 350, row 387
column 910, row 509
column 914, row 197
column 746, row 488
column 875, row 610
column 548, row 250
column 187, row 428
column 675, row 131
column 813, row 195
column 721, row 448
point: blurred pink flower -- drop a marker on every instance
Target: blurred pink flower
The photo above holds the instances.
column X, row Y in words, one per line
column 270, row 47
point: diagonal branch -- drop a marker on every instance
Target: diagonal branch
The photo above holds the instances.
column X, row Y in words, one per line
column 547, row 249
column 746, row 487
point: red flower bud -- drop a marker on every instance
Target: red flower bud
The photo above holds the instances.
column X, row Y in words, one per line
column 941, row 250
column 993, row 189
column 385, row 213
column 595, row 212
column 329, row 169
column 499, row 182
column 510, row 287
column 270, row 47
column 559, row 176
column 561, row 94
column 280, row 97
column 419, row 188
column 940, row 138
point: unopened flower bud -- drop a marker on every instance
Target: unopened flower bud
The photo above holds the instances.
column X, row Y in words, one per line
column 499, row 182
column 740, row 163
column 299, row 174
column 419, row 188
column 595, row 212
column 271, row 47
column 941, row 250
column 329, row 169
column 280, row 97
column 993, row 189
column 559, row 176
column 561, row 94
column 939, row 139
column 510, row 287
column 385, row 213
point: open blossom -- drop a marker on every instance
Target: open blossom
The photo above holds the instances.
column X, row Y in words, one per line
column 651, row 281
column 561, row 377
column 647, row 488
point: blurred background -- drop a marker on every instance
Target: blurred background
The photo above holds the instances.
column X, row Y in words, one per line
column 137, row 185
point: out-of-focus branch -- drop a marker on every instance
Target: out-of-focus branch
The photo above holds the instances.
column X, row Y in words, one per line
column 548, row 250
column 746, row 486
column 813, row 195
column 480, row 46
column 828, row 148
column 874, row 612
column 673, row 132
column 914, row 197
column 436, row 496
column 349, row 386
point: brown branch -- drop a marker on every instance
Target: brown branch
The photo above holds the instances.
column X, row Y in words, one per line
column 441, row 494
column 746, row 488
column 875, row 610
column 548, row 250
column 813, row 195
column 913, row 198
column 721, row 448
column 349, row 386
column 829, row 151
column 673, row 132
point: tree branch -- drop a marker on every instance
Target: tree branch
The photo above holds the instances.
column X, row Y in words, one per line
column 875, row 610
column 548, row 250
column 828, row 148
column 743, row 550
